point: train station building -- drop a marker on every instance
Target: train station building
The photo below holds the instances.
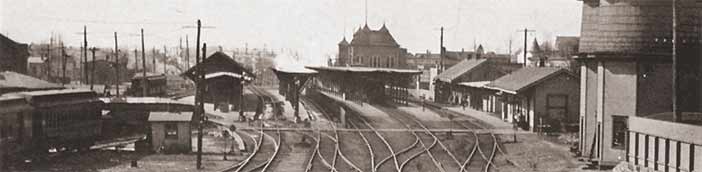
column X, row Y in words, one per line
column 541, row 99
column 224, row 78
column 363, row 84
column 626, row 84
column 448, row 90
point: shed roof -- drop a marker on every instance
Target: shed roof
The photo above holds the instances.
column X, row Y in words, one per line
column 525, row 78
column 459, row 69
column 9, row 79
column 476, row 84
column 365, row 69
column 170, row 116
column 216, row 59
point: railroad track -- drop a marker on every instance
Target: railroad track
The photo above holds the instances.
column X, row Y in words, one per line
column 426, row 148
column 337, row 146
column 487, row 148
column 256, row 155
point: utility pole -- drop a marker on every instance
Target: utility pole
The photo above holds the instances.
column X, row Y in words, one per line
column 63, row 62
column 153, row 59
column 85, row 54
column 526, row 35
column 92, row 69
column 180, row 50
column 136, row 61
column 116, row 65
column 143, row 63
column 165, row 59
column 441, row 51
column 48, row 58
column 677, row 71
column 198, row 97
column 187, row 52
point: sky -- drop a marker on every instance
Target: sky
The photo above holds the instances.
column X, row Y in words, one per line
column 311, row 27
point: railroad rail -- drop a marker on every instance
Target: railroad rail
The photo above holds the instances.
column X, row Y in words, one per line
column 493, row 145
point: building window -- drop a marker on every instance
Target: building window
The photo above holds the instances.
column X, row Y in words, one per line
column 171, row 131
column 619, row 129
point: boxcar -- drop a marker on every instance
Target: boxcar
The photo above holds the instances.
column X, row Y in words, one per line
column 64, row 119
column 15, row 128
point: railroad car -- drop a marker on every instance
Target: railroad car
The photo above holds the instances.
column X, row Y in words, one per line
column 63, row 119
column 15, row 127
column 156, row 85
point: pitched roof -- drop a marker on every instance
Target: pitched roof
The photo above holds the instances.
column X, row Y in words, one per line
column 459, row 69
column 524, row 78
column 233, row 65
column 344, row 42
column 170, row 116
column 366, row 36
column 9, row 79
column 476, row 84
column 364, row 69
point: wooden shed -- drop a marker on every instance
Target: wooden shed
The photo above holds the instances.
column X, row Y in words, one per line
column 170, row 131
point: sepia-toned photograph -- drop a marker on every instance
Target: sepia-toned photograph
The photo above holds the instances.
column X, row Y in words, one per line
column 351, row 85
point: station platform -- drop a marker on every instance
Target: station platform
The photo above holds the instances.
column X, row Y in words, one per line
column 485, row 117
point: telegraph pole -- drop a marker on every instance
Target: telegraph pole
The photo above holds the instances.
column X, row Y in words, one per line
column 85, row 54
column 198, row 97
column 153, row 59
column 526, row 34
column 116, row 65
column 165, row 59
column 92, row 69
column 48, row 58
column 441, row 51
column 63, row 62
column 677, row 71
column 136, row 61
column 187, row 52
column 143, row 63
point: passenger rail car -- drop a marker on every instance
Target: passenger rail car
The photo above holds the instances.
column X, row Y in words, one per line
column 156, row 86
column 15, row 127
column 63, row 119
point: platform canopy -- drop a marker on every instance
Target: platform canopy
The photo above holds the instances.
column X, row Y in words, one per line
column 365, row 83
column 220, row 65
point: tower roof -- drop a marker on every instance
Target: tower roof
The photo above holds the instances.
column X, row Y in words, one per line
column 366, row 36
column 344, row 42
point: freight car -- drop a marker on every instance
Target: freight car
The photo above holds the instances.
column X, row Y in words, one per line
column 15, row 127
column 60, row 120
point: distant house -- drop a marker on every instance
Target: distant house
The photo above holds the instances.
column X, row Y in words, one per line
column 13, row 55
column 170, row 132
column 486, row 69
column 36, row 67
column 538, row 96
column 16, row 82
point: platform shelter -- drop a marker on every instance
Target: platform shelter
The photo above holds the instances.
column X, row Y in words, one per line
column 224, row 78
column 291, row 82
column 364, row 84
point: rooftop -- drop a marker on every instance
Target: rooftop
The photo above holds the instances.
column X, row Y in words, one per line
column 524, row 78
column 459, row 69
column 364, row 69
column 9, row 79
column 380, row 37
column 170, row 116
column 476, row 84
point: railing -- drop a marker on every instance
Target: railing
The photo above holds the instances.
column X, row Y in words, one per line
column 664, row 146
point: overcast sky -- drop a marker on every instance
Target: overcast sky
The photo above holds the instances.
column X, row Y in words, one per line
column 312, row 27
